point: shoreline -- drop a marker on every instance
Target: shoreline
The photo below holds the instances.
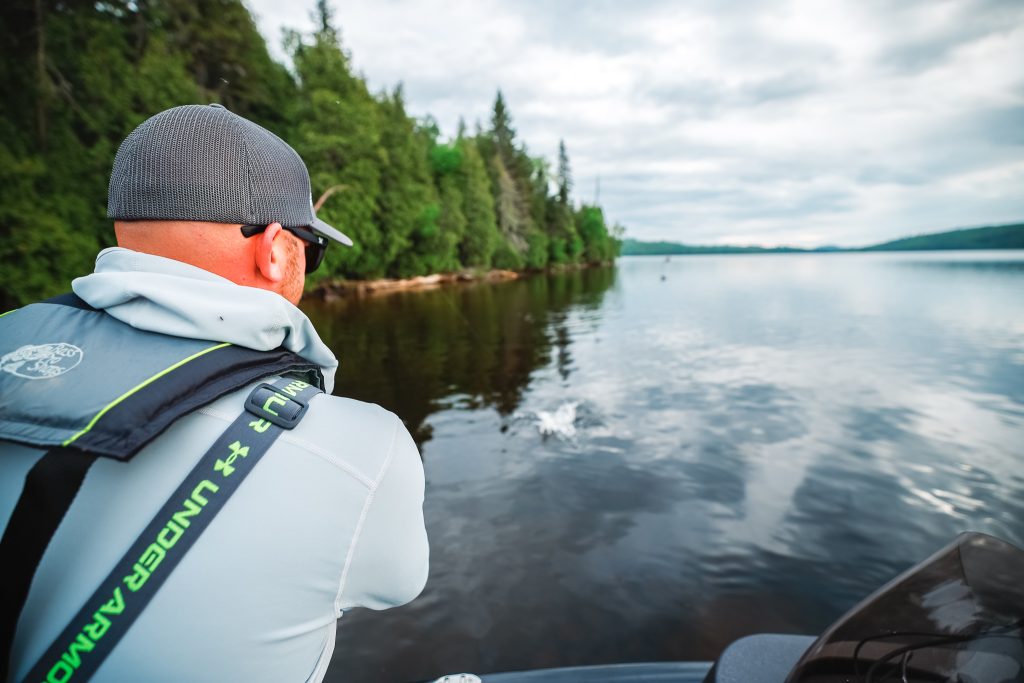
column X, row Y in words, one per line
column 332, row 290
column 337, row 289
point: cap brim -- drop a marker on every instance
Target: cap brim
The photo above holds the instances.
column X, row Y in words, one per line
column 330, row 232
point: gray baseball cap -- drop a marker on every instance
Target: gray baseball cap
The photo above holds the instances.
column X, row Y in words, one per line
column 204, row 163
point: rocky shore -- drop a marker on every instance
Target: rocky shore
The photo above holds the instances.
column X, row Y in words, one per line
column 341, row 288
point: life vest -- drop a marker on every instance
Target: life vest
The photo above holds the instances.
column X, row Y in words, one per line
column 74, row 376
column 80, row 384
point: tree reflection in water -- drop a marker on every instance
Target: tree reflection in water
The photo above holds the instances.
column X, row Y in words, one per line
column 408, row 351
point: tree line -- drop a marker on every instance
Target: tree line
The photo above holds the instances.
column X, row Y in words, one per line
column 79, row 76
column 990, row 237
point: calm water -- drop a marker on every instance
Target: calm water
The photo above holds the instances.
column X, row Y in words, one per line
column 760, row 441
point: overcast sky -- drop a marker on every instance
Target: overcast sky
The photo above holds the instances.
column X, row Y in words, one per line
column 727, row 121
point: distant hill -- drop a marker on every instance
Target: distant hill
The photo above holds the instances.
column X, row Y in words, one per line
column 993, row 237
column 632, row 247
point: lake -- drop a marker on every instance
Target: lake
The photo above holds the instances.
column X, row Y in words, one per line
column 732, row 444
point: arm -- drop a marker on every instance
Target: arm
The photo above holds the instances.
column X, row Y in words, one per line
column 388, row 560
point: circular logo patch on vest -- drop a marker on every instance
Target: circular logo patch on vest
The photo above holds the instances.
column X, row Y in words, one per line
column 44, row 361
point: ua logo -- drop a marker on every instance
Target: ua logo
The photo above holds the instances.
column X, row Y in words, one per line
column 44, row 361
column 226, row 466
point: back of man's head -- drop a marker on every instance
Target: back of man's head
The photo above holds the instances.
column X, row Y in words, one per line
column 187, row 179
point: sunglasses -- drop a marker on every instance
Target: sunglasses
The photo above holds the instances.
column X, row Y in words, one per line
column 316, row 245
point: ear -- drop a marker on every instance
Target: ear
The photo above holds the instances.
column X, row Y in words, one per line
column 270, row 253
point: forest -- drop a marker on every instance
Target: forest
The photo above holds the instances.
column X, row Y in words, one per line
column 79, row 76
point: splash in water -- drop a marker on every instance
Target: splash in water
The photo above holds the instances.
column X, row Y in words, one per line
column 561, row 423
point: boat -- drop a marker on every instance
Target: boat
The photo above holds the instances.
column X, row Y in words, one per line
column 956, row 617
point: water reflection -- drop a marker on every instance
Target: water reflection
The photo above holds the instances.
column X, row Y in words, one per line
column 760, row 442
column 978, row 262
column 478, row 344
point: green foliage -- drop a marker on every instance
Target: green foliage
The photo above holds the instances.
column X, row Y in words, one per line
column 338, row 134
column 94, row 71
column 481, row 236
column 445, row 159
column 507, row 258
column 228, row 60
column 501, row 128
column 86, row 74
column 598, row 245
column 408, row 211
column 564, row 174
column 38, row 252
column 536, row 249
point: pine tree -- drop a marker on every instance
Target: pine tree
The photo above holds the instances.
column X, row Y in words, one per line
column 337, row 133
column 501, row 126
column 229, row 61
column 512, row 171
column 481, row 235
column 566, row 244
column 599, row 246
column 538, row 239
column 408, row 209
column 100, row 69
column 564, row 177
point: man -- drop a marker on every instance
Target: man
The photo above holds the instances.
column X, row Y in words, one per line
column 216, row 231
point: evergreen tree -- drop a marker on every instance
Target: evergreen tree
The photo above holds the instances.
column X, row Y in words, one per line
column 228, row 59
column 337, row 133
column 446, row 162
column 512, row 216
column 98, row 70
column 451, row 222
column 564, row 177
column 481, row 235
column 599, row 246
column 538, row 240
column 566, row 244
column 501, row 127
column 408, row 210
column 512, row 173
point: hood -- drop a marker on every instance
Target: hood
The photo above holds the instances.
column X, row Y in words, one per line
column 162, row 295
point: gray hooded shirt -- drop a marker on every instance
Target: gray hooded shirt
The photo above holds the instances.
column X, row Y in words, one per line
column 330, row 519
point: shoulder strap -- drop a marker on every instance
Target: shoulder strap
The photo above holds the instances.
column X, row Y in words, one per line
column 93, row 633
column 50, row 488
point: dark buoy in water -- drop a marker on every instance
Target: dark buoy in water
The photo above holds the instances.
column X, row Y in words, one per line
column 663, row 278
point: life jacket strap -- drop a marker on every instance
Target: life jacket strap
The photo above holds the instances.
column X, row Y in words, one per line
column 87, row 640
column 50, row 487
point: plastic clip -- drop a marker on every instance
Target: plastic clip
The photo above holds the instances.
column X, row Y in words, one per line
column 270, row 404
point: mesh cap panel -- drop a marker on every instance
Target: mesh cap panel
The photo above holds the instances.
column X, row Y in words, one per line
column 204, row 163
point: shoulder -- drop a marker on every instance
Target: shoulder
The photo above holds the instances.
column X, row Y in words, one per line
column 353, row 434
column 344, row 420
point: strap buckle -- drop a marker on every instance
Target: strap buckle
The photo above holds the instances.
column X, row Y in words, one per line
column 276, row 406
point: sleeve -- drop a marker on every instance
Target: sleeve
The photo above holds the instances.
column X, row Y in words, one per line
column 389, row 555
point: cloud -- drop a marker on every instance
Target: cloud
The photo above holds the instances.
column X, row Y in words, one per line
column 930, row 32
column 794, row 121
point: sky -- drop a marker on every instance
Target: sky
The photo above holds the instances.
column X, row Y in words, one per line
column 804, row 123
